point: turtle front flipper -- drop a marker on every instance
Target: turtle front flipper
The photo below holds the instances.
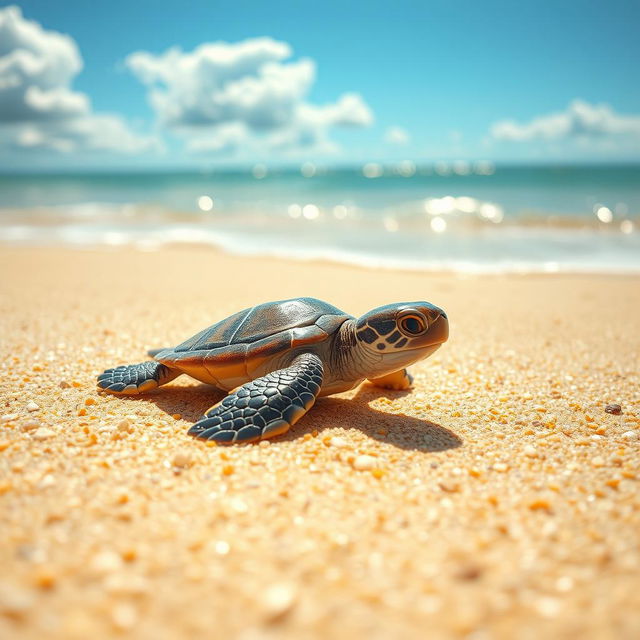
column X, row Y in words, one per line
column 265, row 407
column 133, row 379
column 398, row 380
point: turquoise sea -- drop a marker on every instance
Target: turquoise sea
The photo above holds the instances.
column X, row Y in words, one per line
column 453, row 216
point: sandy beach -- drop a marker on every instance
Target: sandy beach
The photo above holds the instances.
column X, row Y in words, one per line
column 497, row 499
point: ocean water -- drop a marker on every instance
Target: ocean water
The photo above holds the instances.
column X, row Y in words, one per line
column 460, row 217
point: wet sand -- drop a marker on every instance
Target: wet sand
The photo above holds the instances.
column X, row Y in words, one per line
column 498, row 499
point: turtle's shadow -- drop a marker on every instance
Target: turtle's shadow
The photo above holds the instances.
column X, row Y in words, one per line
column 402, row 431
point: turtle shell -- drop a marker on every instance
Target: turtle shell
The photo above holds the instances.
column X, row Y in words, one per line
column 236, row 347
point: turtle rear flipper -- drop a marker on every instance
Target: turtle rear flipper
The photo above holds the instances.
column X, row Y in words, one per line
column 265, row 407
column 133, row 379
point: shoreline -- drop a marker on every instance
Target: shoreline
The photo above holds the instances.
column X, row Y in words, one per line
column 347, row 260
column 499, row 498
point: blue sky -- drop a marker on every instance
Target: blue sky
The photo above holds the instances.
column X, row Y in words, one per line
column 346, row 83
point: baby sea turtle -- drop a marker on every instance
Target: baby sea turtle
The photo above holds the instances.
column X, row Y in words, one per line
column 277, row 358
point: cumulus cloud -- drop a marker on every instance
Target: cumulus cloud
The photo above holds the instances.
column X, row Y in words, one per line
column 396, row 135
column 100, row 132
column 579, row 120
column 222, row 96
column 350, row 111
column 36, row 68
column 223, row 82
column 38, row 107
column 309, row 126
column 226, row 138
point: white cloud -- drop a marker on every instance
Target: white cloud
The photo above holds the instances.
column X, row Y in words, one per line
column 309, row 126
column 226, row 138
column 579, row 120
column 224, row 96
column 38, row 108
column 36, row 68
column 349, row 111
column 94, row 132
column 396, row 135
column 223, row 82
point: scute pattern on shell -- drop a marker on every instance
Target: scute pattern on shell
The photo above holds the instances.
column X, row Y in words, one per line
column 260, row 322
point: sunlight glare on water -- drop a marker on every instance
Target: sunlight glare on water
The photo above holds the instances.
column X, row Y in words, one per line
column 604, row 214
column 205, row 203
column 259, row 171
column 578, row 218
column 310, row 211
column 390, row 224
column 308, row 170
column 295, row 210
column 340, row 212
column 372, row 170
column 626, row 226
column 438, row 224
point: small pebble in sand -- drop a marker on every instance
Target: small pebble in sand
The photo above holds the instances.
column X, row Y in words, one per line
column 222, row 547
column 44, row 578
column 450, row 487
column 468, row 572
column 32, row 406
column 122, row 497
column 238, row 505
column 15, row 602
column 364, row 463
column 337, row 442
column 615, row 409
column 47, row 481
column 64, row 384
column 124, row 616
column 124, row 425
column 564, row 584
column 30, row 425
column 278, row 600
column 9, row 417
column 540, row 504
column 548, row 607
column 106, row 562
column 43, row 433
column 182, row 460
column 631, row 435
column 530, row 451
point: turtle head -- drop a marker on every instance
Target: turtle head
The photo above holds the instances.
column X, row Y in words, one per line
column 402, row 333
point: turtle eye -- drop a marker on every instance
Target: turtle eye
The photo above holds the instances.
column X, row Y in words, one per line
column 413, row 324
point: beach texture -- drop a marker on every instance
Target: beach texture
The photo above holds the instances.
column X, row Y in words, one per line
column 498, row 499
